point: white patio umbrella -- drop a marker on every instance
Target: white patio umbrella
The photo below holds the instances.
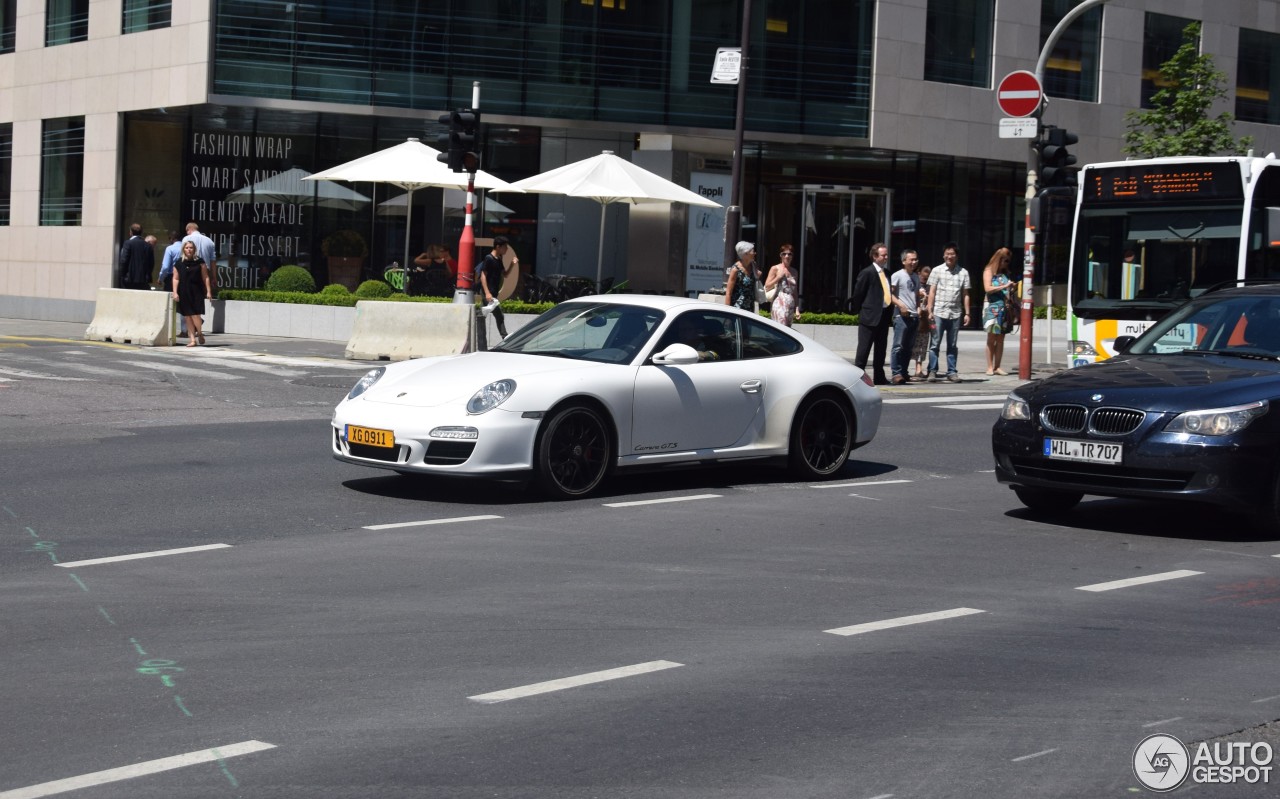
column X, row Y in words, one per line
column 454, row 205
column 287, row 188
column 606, row 178
column 411, row 165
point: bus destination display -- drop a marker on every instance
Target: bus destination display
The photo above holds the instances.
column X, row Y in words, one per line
column 1155, row 182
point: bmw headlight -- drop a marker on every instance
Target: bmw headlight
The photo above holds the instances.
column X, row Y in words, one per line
column 491, row 396
column 1015, row 408
column 1217, row 421
column 370, row 377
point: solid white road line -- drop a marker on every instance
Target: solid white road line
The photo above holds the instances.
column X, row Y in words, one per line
column 429, row 521
column 1028, row 757
column 903, row 621
column 183, row 370
column 136, row 770
column 984, row 406
column 1150, row 578
column 572, row 682
column 660, row 501
column 1161, row 721
column 859, row 485
column 140, row 555
column 943, row 398
column 1266, row 699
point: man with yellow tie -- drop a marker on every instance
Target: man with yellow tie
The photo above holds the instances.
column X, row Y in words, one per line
column 872, row 299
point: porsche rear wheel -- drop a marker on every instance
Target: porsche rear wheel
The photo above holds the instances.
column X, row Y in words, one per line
column 573, row 452
column 821, row 436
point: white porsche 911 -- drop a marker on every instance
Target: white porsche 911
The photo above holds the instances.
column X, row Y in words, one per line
column 607, row 383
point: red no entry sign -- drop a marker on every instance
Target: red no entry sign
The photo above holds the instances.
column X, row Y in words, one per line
column 1019, row 94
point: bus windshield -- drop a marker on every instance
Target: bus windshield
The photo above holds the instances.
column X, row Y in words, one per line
column 1130, row 260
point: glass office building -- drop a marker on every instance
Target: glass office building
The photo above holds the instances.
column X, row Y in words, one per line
column 873, row 121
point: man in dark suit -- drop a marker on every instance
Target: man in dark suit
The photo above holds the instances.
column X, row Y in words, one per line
column 871, row 298
column 136, row 261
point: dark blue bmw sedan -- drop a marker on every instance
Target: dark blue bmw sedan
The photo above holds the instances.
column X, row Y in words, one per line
column 1188, row 411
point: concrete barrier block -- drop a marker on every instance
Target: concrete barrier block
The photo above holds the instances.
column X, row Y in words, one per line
column 128, row 316
column 398, row 331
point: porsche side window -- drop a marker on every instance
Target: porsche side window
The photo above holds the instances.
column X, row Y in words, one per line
column 761, row 341
column 713, row 335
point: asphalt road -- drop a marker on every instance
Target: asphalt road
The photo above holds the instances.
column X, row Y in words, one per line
column 705, row 633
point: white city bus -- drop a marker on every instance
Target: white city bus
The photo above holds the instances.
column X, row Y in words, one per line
column 1149, row 234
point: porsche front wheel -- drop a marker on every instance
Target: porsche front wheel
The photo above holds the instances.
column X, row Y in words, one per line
column 573, row 452
column 821, row 437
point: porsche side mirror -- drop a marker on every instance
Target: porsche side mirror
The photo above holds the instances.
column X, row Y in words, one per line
column 677, row 355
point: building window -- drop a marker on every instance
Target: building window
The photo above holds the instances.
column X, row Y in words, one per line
column 65, row 21
column 1072, row 69
column 6, row 170
column 145, row 15
column 62, row 171
column 1258, row 71
column 957, row 42
column 1162, row 37
column 8, row 24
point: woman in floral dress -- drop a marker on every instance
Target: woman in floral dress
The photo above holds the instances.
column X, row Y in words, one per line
column 783, row 277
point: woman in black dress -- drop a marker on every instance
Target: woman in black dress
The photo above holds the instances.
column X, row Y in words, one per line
column 191, row 287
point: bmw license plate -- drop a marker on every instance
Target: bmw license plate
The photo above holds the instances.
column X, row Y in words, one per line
column 1065, row 449
column 370, row 436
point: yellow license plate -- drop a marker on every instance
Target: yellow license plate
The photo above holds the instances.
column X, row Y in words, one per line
column 370, row 436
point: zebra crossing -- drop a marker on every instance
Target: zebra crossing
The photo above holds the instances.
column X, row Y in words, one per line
column 955, row 402
column 221, row 364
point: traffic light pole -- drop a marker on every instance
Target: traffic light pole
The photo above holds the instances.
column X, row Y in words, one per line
column 464, row 292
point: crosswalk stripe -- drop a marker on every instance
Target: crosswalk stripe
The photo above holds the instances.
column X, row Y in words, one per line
column 251, row 366
column 21, row 373
column 183, row 370
column 943, row 398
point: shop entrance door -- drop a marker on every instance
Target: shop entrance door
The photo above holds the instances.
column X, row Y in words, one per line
column 831, row 228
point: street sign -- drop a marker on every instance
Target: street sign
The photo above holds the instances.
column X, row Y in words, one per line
column 1019, row 127
column 1019, row 94
column 727, row 65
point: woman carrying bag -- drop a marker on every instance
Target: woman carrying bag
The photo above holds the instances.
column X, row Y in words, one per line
column 744, row 279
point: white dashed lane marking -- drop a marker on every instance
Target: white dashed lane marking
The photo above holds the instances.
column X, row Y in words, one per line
column 903, row 621
column 1033, row 755
column 140, row 555
column 1132, row 581
column 573, row 682
column 661, row 501
column 425, row 522
column 137, row 770
column 859, row 485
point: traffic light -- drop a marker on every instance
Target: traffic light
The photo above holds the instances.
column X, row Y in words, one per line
column 1056, row 168
column 460, row 147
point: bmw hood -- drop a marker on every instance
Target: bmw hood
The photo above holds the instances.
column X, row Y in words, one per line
column 1161, row 382
column 451, row 380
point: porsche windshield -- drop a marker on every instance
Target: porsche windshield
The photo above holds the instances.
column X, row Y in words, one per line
column 590, row 331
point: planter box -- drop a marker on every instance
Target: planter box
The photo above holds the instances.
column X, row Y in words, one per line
column 283, row 320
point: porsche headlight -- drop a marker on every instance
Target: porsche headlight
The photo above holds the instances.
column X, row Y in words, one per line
column 491, row 396
column 370, row 377
column 1217, row 421
column 1015, row 408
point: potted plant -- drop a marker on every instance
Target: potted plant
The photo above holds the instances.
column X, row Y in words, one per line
column 345, row 251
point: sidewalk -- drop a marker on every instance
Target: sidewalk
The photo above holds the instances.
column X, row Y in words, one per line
column 971, row 362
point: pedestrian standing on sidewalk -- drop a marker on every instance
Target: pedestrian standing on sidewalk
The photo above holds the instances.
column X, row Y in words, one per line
column 191, row 287
column 744, row 275
column 995, row 310
column 949, row 306
column 872, row 298
column 905, row 288
column 920, row 350
column 136, row 261
column 782, row 279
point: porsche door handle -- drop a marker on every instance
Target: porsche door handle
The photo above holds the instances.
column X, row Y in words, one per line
column 751, row 386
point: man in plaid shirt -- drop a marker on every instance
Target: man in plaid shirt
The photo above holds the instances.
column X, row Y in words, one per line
column 948, row 304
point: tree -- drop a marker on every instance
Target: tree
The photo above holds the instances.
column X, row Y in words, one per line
column 1178, row 122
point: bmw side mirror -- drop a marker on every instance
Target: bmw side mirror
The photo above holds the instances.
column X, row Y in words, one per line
column 1122, row 343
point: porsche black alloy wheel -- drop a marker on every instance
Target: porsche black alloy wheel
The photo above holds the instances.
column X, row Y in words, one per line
column 573, row 452
column 821, row 437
